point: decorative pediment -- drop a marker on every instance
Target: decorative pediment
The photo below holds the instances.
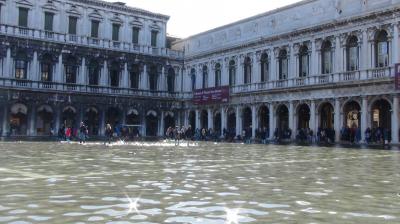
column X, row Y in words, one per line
column 95, row 15
column 73, row 10
column 2, row 2
column 24, row 3
column 136, row 23
column 154, row 26
column 116, row 19
column 49, row 5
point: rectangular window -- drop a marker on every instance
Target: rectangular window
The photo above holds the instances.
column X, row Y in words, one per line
column 154, row 35
column 20, row 69
column 46, row 72
column 48, row 21
column 383, row 54
column 327, row 62
column 95, row 29
column 232, row 76
column 115, row 32
column 23, row 17
column 135, row 35
column 73, row 21
column 304, row 66
column 70, row 76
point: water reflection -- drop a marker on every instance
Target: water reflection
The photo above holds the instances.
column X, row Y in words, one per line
column 205, row 183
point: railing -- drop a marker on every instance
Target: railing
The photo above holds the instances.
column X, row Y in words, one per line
column 10, row 83
column 87, row 41
column 343, row 77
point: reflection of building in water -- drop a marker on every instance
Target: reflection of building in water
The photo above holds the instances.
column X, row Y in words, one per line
column 327, row 64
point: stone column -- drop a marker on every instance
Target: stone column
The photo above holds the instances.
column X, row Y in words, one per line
column 57, row 119
column 256, row 74
column 291, row 119
column 125, row 77
column 32, row 122
column 161, row 131
column 198, row 119
column 210, row 120
column 314, row 59
column 143, row 78
column 338, row 60
column 238, row 120
column 104, row 78
column 162, row 82
column 292, row 63
column 102, row 121
column 144, row 128
column 313, row 122
column 364, row 117
column 186, row 119
column 253, row 120
column 337, row 122
column 5, row 120
column 395, row 120
column 364, row 51
column 59, row 69
column 274, row 66
column 223, row 120
column 34, row 68
column 395, row 45
column 82, row 75
column 8, row 64
column 271, row 120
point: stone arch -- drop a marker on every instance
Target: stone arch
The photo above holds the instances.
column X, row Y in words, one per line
column 351, row 112
column 303, row 116
column 151, row 123
column 44, row 120
column 92, row 120
column 68, row 116
column 326, row 112
column 18, row 119
column 263, row 116
column 381, row 114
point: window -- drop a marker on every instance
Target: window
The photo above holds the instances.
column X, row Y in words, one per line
column 47, row 69
column 94, row 71
column 23, row 17
column 352, row 53
column 218, row 75
column 48, row 21
column 283, row 65
column 264, row 68
column 247, row 70
column 382, row 49
column 154, row 35
column 20, row 69
column 70, row 74
column 135, row 74
column 73, row 21
column 205, row 77
column 232, row 73
column 95, row 29
column 135, row 35
column 327, row 56
column 171, row 80
column 115, row 32
column 114, row 75
column 304, row 62
column 153, row 78
column 193, row 78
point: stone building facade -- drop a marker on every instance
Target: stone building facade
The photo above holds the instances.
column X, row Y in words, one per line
column 316, row 64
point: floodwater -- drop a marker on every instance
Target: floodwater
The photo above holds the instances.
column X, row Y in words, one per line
column 205, row 183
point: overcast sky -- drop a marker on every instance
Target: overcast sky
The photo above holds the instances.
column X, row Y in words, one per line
column 189, row 17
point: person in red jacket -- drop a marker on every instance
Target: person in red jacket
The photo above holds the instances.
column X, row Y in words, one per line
column 68, row 134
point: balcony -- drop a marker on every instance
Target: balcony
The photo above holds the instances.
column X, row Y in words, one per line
column 23, row 32
column 343, row 78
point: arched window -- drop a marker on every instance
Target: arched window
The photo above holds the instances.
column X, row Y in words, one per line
column 135, row 76
column 217, row 75
column 94, row 71
column 46, row 68
column 352, row 53
column 327, row 56
column 247, row 70
column 21, row 65
column 304, row 62
column 71, row 70
column 264, row 68
column 381, row 49
column 171, row 80
column 114, row 74
column 232, row 73
column 193, row 78
column 153, row 78
column 205, row 77
column 283, row 65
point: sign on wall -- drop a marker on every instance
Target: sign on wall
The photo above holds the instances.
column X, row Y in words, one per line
column 211, row 95
column 397, row 76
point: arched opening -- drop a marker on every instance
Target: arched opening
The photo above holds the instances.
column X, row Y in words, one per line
column 192, row 120
column 94, row 72
column 193, row 79
column 263, row 117
column 113, row 116
column 171, row 80
column 135, row 76
column 304, row 61
column 46, row 68
column 19, row 119
column 282, row 122
column 217, row 75
column 71, row 68
column 327, row 57
column 91, row 119
column 132, row 117
column 232, row 73
column 247, row 70
column 352, row 53
column 151, row 123
column 283, row 65
column 21, row 65
column 351, row 112
column 231, row 125
column 326, row 118
column 264, row 67
column 114, row 74
column 44, row 120
column 169, row 121
column 205, row 77
column 247, row 119
column 303, row 116
column 381, row 115
column 204, row 119
column 217, row 123
column 153, row 78
column 69, row 117
column 381, row 49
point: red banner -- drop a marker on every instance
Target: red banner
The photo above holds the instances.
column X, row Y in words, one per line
column 397, row 76
column 211, row 95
